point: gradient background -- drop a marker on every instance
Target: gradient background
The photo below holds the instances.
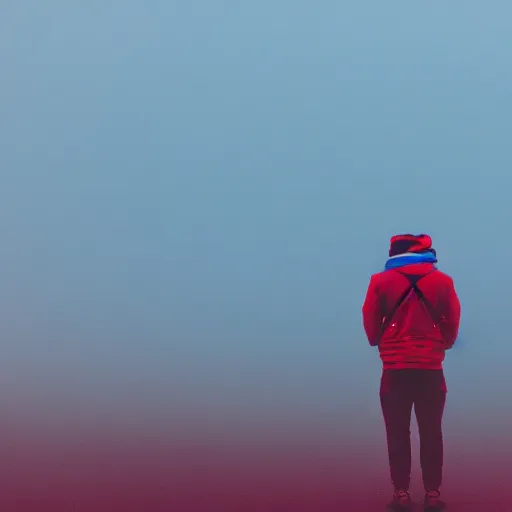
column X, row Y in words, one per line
column 193, row 196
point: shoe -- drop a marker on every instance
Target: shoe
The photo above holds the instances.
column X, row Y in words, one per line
column 433, row 501
column 401, row 501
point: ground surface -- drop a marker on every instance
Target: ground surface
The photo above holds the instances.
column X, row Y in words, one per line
column 142, row 474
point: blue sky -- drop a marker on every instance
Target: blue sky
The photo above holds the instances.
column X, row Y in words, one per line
column 194, row 194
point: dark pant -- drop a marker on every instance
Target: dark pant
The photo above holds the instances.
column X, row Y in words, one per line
column 426, row 390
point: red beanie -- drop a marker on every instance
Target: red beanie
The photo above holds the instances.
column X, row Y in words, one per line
column 401, row 244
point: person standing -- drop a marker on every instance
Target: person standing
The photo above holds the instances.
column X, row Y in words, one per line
column 411, row 313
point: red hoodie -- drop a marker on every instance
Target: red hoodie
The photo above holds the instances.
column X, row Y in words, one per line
column 415, row 336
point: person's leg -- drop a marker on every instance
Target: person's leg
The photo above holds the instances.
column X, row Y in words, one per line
column 396, row 401
column 429, row 407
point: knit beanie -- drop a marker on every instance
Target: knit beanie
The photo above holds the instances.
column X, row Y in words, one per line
column 419, row 244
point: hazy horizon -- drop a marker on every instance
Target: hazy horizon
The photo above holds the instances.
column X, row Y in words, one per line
column 193, row 197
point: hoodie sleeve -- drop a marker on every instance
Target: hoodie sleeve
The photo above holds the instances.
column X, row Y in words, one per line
column 451, row 316
column 372, row 313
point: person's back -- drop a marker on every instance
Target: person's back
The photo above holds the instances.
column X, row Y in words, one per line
column 411, row 312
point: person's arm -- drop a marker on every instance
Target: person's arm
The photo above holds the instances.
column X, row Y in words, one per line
column 372, row 314
column 451, row 316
